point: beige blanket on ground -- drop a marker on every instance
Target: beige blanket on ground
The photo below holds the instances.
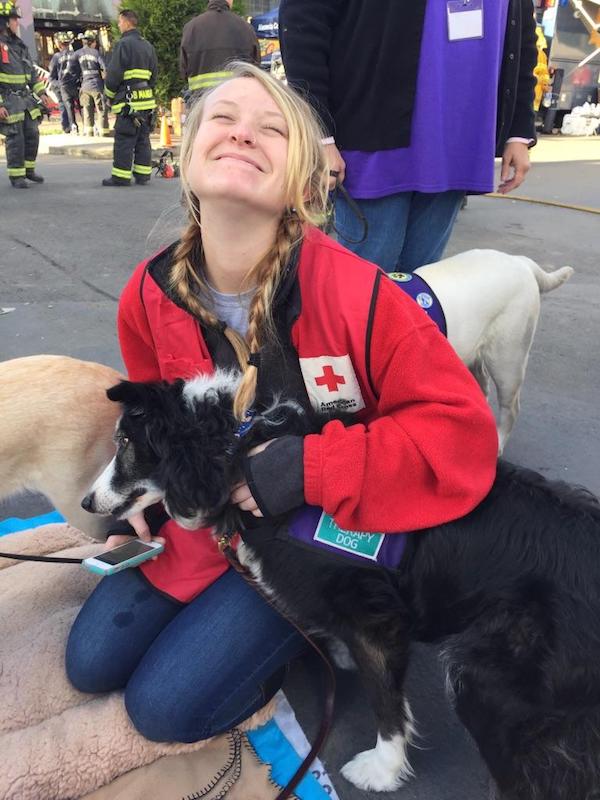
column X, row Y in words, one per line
column 59, row 744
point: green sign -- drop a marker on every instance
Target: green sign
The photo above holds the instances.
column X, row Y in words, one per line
column 366, row 545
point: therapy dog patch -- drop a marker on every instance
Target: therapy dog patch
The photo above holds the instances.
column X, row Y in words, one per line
column 312, row 526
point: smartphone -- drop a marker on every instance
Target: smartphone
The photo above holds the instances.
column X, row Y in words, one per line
column 126, row 555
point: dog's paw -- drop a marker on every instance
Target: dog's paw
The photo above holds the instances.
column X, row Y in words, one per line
column 376, row 771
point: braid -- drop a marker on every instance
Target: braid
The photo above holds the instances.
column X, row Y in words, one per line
column 267, row 274
column 184, row 280
column 187, row 284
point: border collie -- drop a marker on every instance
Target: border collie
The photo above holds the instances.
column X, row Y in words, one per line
column 511, row 589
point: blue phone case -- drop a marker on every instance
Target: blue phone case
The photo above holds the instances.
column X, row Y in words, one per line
column 130, row 562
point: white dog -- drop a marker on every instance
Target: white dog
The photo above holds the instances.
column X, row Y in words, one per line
column 56, row 428
column 491, row 301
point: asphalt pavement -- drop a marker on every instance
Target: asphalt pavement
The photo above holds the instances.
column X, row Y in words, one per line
column 68, row 247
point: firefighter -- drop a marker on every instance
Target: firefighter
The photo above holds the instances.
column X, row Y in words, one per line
column 55, row 87
column 129, row 87
column 89, row 66
column 211, row 40
column 63, row 74
column 21, row 93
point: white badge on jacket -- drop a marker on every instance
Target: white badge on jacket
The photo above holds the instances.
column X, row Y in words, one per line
column 331, row 383
column 465, row 19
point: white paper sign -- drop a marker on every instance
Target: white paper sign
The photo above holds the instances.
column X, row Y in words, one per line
column 465, row 19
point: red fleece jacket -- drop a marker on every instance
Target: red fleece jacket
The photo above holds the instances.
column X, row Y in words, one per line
column 424, row 448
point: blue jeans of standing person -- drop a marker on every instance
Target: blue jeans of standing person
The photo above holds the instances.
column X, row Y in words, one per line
column 64, row 117
column 405, row 230
column 189, row 671
column 68, row 97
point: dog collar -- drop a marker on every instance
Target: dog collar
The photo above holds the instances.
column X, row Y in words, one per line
column 245, row 424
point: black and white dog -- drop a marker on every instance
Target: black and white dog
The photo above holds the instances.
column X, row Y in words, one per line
column 513, row 590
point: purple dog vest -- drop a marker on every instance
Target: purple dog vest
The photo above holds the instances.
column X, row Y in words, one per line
column 312, row 527
column 422, row 293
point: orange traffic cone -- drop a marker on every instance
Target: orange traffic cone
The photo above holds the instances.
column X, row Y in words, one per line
column 165, row 132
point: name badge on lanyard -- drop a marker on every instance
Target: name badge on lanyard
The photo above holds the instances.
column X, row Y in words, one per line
column 465, row 19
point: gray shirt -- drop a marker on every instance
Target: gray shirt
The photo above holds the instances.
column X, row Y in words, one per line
column 232, row 309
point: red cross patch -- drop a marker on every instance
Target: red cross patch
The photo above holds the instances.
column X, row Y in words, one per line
column 330, row 379
column 331, row 383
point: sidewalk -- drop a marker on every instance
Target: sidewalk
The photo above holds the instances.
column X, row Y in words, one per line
column 553, row 160
column 68, row 144
column 95, row 147
column 557, row 148
column 550, row 149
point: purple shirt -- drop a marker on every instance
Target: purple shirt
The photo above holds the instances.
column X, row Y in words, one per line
column 453, row 135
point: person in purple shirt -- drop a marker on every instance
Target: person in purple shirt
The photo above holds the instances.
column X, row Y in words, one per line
column 417, row 98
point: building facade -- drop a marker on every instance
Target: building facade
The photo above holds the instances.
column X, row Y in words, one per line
column 42, row 19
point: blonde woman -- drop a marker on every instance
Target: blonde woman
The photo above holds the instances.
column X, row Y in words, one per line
column 253, row 284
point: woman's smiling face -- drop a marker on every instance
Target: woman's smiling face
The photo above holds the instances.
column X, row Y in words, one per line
column 240, row 150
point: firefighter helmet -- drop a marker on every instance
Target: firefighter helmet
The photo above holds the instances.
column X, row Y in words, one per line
column 8, row 9
column 90, row 36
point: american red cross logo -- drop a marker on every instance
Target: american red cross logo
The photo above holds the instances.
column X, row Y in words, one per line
column 330, row 379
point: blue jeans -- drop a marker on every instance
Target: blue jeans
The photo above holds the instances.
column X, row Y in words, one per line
column 64, row 117
column 188, row 671
column 406, row 230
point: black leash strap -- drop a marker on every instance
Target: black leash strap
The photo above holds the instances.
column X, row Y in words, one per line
column 225, row 547
column 51, row 559
column 354, row 208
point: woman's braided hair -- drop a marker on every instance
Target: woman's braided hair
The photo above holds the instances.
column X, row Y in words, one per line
column 306, row 186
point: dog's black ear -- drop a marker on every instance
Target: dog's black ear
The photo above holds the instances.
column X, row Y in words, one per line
column 131, row 395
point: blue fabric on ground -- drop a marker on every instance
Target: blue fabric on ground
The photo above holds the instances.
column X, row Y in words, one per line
column 273, row 748
column 14, row 524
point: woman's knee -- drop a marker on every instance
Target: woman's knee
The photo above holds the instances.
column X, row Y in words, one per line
column 91, row 668
column 113, row 630
column 160, row 717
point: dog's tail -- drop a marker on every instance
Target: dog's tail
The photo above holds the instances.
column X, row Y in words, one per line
column 547, row 281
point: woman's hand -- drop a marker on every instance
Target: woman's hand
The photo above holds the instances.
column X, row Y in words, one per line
column 515, row 166
column 140, row 526
column 241, row 495
column 337, row 166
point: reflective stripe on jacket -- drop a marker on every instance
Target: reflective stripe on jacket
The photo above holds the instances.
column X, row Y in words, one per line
column 212, row 39
column 131, row 74
column 18, row 80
